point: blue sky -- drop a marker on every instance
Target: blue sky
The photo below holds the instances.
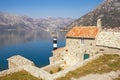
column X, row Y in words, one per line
column 49, row 8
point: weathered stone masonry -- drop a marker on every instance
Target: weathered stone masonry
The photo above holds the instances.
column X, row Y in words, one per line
column 108, row 42
column 90, row 40
column 79, row 41
column 17, row 61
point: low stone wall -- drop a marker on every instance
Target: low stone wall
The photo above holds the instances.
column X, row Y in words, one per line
column 55, row 59
column 37, row 72
column 42, row 74
column 64, row 72
column 17, row 60
column 57, row 55
column 10, row 71
column 107, row 50
column 52, row 66
column 110, row 39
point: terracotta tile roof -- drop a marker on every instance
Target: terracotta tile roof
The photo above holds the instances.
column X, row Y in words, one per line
column 85, row 31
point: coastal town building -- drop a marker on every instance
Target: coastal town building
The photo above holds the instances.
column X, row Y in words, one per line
column 83, row 42
column 80, row 45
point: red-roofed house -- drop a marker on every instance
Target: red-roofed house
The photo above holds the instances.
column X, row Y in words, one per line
column 80, row 43
column 83, row 42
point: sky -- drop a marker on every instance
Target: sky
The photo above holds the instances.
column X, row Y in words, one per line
column 49, row 8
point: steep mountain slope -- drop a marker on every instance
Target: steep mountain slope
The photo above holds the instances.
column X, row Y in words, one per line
column 11, row 21
column 108, row 11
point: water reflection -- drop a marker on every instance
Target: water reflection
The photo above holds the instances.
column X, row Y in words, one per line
column 15, row 37
column 35, row 45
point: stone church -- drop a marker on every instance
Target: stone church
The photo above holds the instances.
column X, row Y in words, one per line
column 83, row 42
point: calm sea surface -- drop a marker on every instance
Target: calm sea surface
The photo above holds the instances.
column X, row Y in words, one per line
column 34, row 45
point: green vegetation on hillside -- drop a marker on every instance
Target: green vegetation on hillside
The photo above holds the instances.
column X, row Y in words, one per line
column 22, row 75
column 101, row 65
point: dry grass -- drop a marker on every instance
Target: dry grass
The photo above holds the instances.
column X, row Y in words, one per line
column 101, row 65
column 22, row 75
column 55, row 70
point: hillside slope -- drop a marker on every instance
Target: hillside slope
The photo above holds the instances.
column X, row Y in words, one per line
column 108, row 11
column 104, row 64
column 21, row 75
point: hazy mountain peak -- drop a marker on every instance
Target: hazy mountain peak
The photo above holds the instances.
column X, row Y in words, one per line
column 12, row 21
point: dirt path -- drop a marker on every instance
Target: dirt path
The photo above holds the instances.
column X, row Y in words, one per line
column 106, row 76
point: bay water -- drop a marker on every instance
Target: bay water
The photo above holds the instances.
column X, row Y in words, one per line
column 34, row 45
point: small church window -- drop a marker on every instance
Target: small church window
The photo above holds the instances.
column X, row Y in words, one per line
column 82, row 41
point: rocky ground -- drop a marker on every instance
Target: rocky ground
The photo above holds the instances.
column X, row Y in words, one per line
column 106, row 76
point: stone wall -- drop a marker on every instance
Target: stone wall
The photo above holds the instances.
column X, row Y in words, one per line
column 11, row 65
column 10, row 71
column 77, row 49
column 52, row 66
column 108, row 42
column 109, row 39
column 17, row 60
column 107, row 50
column 74, row 51
column 37, row 72
column 41, row 73
column 57, row 55
column 72, row 68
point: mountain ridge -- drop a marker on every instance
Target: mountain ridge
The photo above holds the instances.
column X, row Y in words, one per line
column 108, row 11
column 12, row 21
